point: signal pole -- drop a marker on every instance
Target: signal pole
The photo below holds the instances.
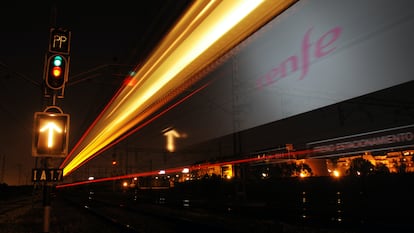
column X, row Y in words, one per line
column 51, row 127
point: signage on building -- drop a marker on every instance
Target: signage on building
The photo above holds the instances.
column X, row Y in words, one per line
column 380, row 140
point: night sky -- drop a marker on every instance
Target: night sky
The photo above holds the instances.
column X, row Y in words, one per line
column 107, row 41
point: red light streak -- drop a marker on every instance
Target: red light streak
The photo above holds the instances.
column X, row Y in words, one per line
column 129, row 81
column 283, row 156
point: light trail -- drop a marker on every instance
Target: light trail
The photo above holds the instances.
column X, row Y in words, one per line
column 276, row 157
column 206, row 31
column 138, row 127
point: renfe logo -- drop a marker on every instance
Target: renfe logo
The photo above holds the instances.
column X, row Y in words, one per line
column 322, row 47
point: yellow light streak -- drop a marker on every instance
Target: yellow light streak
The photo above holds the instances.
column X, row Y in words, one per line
column 205, row 32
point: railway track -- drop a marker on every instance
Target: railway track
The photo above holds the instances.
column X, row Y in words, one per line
column 11, row 209
column 143, row 215
column 144, row 218
column 71, row 214
column 73, row 211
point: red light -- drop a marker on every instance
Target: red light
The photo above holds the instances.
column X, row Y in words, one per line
column 56, row 72
column 129, row 81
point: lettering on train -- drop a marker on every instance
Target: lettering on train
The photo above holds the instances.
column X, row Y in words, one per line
column 322, row 47
column 366, row 142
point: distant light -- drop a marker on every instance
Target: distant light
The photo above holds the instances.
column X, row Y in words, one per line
column 186, row 170
column 161, row 172
column 91, row 178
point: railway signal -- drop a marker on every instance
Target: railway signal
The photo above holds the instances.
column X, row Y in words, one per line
column 56, row 67
column 56, row 71
column 51, row 134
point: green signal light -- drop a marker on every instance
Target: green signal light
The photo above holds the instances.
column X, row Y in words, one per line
column 57, row 60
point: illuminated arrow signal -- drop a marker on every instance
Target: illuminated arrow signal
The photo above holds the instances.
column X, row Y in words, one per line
column 50, row 134
column 50, row 127
column 170, row 134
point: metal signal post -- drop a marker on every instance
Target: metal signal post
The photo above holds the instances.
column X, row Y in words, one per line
column 51, row 127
